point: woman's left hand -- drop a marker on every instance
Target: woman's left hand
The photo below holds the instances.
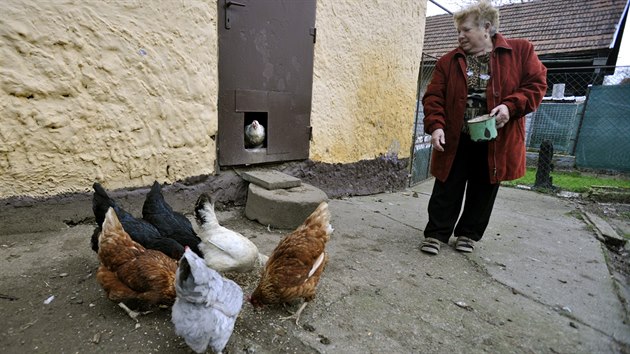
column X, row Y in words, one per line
column 502, row 115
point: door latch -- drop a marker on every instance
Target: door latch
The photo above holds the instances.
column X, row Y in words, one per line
column 226, row 9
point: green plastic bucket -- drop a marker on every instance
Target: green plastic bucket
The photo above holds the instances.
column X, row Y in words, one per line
column 482, row 128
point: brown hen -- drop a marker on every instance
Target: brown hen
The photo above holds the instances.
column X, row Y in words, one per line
column 296, row 264
column 129, row 272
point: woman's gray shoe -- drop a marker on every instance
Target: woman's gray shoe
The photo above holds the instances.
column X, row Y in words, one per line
column 464, row 244
column 430, row 245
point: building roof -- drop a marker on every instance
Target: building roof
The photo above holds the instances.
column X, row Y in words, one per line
column 556, row 27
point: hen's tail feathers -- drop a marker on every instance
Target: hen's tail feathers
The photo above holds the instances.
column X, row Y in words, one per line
column 204, row 213
column 100, row 203
column 155, row 200
column 204, row 210
column 94, row 238
column 319, row 219
column 111, row 225
column 111, row 221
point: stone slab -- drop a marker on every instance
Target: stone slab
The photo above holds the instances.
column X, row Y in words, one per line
column 271, row 179
column 609, row 234
column 282, row 208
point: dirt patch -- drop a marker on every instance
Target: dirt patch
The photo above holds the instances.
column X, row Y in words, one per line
column 380, row 294
column 51, row 303
column 618, row 217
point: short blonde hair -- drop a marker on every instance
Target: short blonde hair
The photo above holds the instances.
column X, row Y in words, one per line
column 483, row 12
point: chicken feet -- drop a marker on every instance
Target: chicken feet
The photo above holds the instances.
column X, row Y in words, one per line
column 133, row 314
column 296, row 315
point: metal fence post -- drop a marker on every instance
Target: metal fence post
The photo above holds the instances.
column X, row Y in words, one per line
column 579, row 129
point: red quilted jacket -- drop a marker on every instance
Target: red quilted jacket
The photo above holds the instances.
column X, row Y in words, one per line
column 518, row 80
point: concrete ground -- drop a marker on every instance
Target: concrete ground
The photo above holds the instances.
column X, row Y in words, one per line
column 537, row 283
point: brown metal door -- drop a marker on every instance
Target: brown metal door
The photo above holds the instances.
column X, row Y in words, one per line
column 265, row 73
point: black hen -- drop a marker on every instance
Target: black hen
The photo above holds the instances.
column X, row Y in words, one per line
column 140, row 230
column 169, row 223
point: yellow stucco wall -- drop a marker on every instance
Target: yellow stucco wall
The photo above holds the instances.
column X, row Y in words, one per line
column 126, row 93
column 116, row 91
column 367, row 57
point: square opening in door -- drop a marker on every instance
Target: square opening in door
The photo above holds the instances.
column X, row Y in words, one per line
column 255, row 130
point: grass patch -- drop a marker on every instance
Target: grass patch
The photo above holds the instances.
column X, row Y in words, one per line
column 573, row 181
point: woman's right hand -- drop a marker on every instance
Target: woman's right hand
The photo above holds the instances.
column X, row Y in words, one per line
column 437, row 139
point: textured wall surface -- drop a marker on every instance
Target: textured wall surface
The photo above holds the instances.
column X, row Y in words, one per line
column 124, row 92
column 367, row 58
column 116, row 91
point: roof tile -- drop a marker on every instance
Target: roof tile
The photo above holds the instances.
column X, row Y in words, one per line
column 552, row 25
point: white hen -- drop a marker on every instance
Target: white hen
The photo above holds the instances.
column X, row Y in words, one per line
column 206, row 306
column 224, row 250
column 254, row 135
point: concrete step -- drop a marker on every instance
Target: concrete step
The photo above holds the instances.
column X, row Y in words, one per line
column 284, row 208
column 271, row 179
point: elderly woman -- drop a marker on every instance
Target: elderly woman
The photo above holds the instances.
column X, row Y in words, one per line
column 487, row 73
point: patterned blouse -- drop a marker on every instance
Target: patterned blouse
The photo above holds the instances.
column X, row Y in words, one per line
column 478, row 74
